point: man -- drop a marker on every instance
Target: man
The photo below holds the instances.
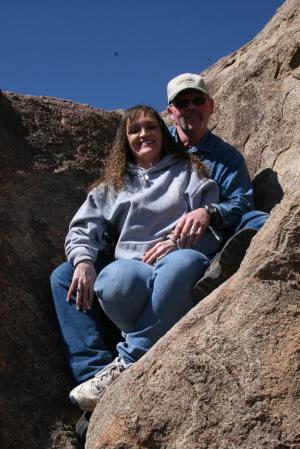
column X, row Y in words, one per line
column 190, row 107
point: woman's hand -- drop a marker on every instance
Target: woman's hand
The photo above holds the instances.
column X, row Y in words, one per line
column 191, row 227
column 83, row 281
column 159, row 250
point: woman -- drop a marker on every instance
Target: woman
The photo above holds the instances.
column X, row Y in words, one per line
column 147, row 186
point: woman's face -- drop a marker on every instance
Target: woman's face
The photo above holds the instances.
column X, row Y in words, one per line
column 145, row 140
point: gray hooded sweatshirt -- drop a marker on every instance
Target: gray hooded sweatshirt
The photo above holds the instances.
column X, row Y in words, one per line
column 143, row 212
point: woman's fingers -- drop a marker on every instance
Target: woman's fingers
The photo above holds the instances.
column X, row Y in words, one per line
column 151, row 253
column 82, row 286
column 72, row 288
column 159, row 250
column 79, row 295
column 90, row 297
column 84, row 297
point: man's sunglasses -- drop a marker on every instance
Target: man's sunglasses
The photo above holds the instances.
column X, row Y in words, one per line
column 184, row 103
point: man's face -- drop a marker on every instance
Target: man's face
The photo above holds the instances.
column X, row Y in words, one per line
column 191, row 111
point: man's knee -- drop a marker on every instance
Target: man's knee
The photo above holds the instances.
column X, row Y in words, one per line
column 254, row 219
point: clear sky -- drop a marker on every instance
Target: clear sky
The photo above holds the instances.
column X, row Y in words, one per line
column 117, row 53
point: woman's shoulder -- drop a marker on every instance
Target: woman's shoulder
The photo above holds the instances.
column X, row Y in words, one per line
column 103, row 192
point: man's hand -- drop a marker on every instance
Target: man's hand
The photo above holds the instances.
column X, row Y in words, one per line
column 191, row 227
column 83, row 281
column 159, row 250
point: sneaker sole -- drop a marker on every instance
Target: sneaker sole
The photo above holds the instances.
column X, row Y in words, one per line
column 73, row 400
column 82, row 425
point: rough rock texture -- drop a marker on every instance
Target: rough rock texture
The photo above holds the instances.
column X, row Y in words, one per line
column 49, row 149
column 227, row 376
column 257, row 93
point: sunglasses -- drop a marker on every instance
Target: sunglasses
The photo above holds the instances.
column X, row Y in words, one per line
column 184, row 103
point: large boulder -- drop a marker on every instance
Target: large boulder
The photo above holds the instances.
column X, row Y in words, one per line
column 257, row 96
column 227, row 375
column 50, row 150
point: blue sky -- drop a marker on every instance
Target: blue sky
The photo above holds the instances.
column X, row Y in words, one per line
column 116, row 53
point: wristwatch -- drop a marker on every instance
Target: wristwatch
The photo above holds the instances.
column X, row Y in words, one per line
column 215, row 216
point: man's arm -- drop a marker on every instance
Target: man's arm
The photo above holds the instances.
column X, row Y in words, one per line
column 228, row 168
column 236, row 194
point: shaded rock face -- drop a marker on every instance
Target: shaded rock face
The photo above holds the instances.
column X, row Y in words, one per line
column 227, row 376
column 50, row 150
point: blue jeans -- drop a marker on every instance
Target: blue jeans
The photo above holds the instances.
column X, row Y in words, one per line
column 83, row 333
column 254, row 219
column 145, row 301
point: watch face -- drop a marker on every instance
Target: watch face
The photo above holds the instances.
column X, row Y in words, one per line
column 215, row 217
column 210, row 209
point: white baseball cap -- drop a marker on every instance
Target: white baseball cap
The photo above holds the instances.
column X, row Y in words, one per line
column 183, row 82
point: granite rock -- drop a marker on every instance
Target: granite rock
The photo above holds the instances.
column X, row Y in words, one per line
column 227, row 375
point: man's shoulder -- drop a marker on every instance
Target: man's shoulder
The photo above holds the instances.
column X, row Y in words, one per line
column 217, row 143
column 224, row 151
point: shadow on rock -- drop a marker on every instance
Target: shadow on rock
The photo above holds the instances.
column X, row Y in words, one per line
column 267, row 190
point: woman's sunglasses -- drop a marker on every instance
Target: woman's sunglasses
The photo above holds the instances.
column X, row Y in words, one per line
column 184, row 103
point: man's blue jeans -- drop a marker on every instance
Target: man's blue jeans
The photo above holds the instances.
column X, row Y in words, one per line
column 254, row 219
column 145, row 301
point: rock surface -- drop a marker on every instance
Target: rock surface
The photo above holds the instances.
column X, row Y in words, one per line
column 257, row 93
column 49, row 149
column 227, row 376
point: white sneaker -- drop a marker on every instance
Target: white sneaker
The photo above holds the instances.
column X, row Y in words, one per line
column 86, row 395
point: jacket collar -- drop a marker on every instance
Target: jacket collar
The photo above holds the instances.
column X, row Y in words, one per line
column 205, row 143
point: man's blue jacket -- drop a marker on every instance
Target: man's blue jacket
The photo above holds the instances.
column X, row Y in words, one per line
column 228, row 168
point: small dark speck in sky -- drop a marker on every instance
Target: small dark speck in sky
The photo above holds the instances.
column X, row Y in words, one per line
column 116, row 53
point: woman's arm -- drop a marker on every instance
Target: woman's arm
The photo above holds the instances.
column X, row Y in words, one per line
column 86, row 236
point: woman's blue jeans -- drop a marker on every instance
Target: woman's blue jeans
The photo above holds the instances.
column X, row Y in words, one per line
column 145, row 301
column 83, row 333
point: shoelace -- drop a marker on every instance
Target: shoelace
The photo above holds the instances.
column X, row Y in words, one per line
column 116, row 365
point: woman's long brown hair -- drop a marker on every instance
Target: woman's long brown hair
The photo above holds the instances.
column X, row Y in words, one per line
column 116, row 161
